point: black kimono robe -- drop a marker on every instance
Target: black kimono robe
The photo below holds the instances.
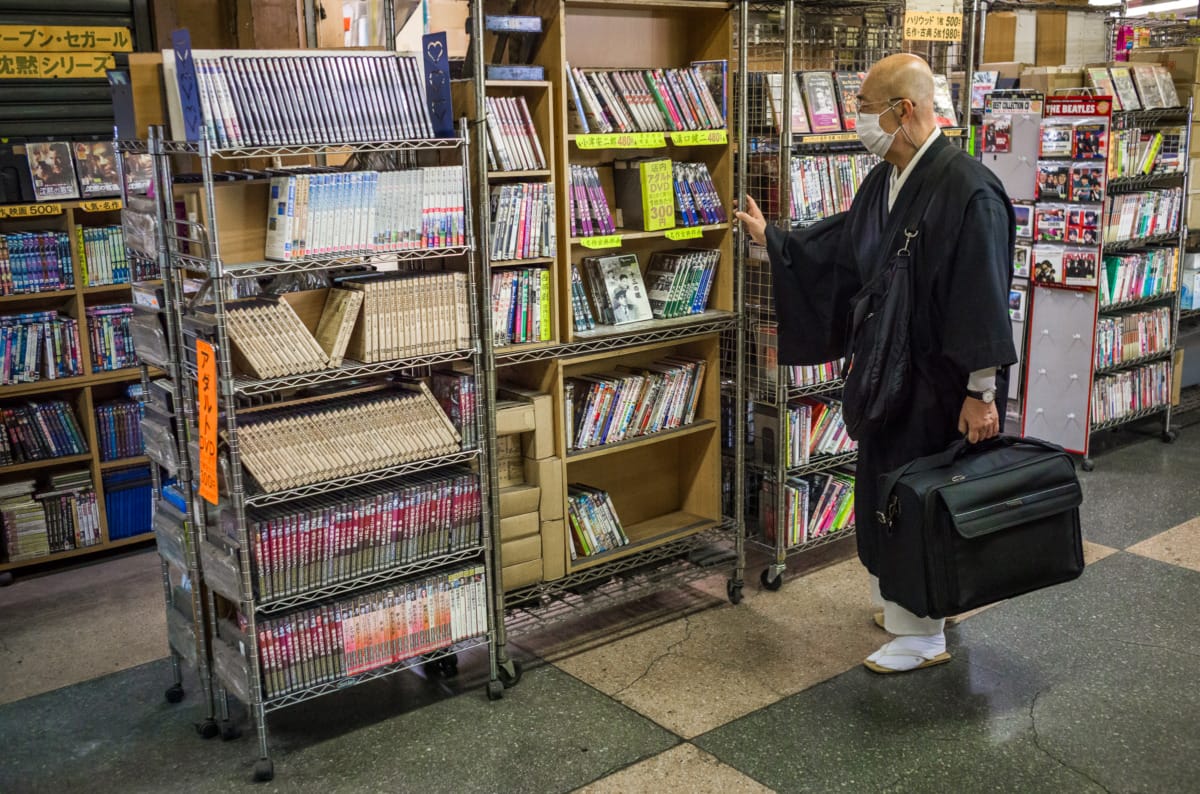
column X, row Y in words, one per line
column 962, row 271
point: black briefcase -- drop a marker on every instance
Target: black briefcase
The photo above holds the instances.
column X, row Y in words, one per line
column 978, row 524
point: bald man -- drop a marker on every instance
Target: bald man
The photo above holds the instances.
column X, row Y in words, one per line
column 961, row 335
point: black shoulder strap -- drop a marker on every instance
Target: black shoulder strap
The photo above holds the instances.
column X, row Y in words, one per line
column 925, row 191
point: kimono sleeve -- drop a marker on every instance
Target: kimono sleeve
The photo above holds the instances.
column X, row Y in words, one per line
column 972, row 288
column 813, row 281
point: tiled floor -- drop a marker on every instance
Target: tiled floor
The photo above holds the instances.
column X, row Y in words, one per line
column 1085, row 687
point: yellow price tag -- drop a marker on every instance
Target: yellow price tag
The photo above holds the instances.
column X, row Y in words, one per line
column 30, row 210
column 602, row 241
column 622, row 140
column 700, row 138
column 103, row 205
column 686, row 233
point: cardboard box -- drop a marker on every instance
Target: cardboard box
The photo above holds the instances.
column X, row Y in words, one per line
column 517, row 527
column 538, row 444
column 1050, row 80
column 518, row 499
column 1182, row 62
column 1010, row 70
column 514, row 417
column 547, row 474
column 522, row 575
column 554, row 549
column 1051, row 38
column 509, row 462
column 522, row 550
column 1193, row 213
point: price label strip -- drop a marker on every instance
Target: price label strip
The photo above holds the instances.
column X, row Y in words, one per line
column 700, row 138
column 104, row 205
column 686, row 233
column 603, row 241
column 622, row 140
column 30, row 210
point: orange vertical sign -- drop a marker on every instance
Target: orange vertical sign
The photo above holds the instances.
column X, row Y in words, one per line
column 206, row 380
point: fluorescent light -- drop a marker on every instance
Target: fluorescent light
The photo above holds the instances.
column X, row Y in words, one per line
column 1104, row 2
column 1153, row 8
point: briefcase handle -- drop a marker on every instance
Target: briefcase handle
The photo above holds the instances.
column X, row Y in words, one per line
column 951, row 454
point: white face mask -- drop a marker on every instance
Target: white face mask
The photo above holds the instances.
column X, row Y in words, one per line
column 878, row 142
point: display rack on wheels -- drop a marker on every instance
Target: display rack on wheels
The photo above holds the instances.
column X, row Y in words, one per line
column 290, row 623
column 666, row 485
column 156, row 339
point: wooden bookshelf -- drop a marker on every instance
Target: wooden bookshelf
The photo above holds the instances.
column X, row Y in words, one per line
column 539, row 95
column 83, row 392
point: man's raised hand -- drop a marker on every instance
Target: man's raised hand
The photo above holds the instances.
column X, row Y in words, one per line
column 755, row 223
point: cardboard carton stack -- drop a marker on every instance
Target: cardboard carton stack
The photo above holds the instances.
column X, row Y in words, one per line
column 532, row 535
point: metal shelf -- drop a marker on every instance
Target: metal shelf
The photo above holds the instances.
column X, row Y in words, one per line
column 547, row 592
column 828, row 387
column 623, row 336
column 851, row 137
column 245, row 387
column 1141, row 242
column 1127, row 184
column 815, row 543
column 823, row 463
column 262, row 499
column 1145, row 413
column 1146, row 301
column 292, row 698
column 314, row 264
column 1138, row 118
column 599, row 450
column 1133, row 363
column 297, row 150
column 403, row 571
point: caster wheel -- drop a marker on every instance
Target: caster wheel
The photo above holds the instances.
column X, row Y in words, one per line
column 734, row 591
column 1169, row 436
column 175, row 693
column 230, row 731
column 264, row 770
column 1087, row 464
column 495, row 690
column 510, row 674
column 768, row 583
column 208, row 729
column 6, row 579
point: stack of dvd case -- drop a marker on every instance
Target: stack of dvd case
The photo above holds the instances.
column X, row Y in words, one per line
column 40, row 431
column 119, row 428
column 102, row 255
column 513, row 143
column 72, row 511
column 595, row 526
column 35, row 262
column 38, row 345
column 644, row 100
column 252, row 99
column 590, row 213
column 522, row 221
column 111, row 340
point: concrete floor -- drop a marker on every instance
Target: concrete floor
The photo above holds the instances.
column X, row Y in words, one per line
column 1084, row 687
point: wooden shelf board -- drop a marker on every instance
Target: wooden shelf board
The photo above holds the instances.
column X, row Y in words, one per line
column 106, row 288
column 45, row 385
column 523, row 346
column 43, row 464
column 609, row 331
column 543, row 84
column 607, row 4
column 699, row 426
column 541, row 173
column 634, row 234
column 119, row 463
column 539, row 260
column 36, row 296
column 648, row 534
column 146, row 537
column 117, row 375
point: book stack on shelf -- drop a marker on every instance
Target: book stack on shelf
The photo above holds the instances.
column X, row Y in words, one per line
column 377, row 629
column 111, row 341
column 1132, row 393
column 72, row 513
column 38, row 345
column 823, row 185
column 1138, row 276
column 595, row 525
column 1134, row 86
column 1129, row 337
column 24, row 523
column 65, row 346
column 1132, row 217
column 815, row 506
column 416, row 518
column 823, row 102
column 345, row 436
column 119, row 430
column 522, row 302
column 34, row 261
column 523, row 224
column 632, row 402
